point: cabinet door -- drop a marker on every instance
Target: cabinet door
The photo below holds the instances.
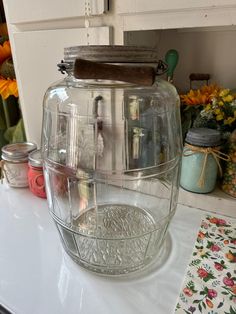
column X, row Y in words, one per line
column 36, row 54
column 25, row 11
column 140, row 6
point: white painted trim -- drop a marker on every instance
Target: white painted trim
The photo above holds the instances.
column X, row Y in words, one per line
column 157, row 6
column 184, row 19
column 26, row 11
column 208, row 29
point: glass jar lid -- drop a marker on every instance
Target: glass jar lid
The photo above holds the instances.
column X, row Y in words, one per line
column 35, row 158
column 17, row 151
column 203, row 137
column 112, row 54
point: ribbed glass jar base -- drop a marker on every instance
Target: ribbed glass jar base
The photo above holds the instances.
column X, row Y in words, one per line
column 113, row 239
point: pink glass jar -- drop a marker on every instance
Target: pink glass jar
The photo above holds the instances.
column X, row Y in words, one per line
column 35, row 174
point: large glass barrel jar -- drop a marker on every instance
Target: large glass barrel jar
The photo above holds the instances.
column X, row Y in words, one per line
column 111, row 151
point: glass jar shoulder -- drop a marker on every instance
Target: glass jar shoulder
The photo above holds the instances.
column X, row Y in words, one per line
column 161, row 93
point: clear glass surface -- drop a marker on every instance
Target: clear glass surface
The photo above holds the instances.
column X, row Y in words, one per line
column 111, row 160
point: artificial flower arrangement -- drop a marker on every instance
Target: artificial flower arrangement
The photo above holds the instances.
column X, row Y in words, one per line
column 210, row 106
column 214, row 107
column 11, row 122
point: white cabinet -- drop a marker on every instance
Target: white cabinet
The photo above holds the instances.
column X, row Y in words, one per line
column 39, row 30
column 36, row 55
column 38, row 41
column 140, row 6
column 26, row 11
column 169, row 14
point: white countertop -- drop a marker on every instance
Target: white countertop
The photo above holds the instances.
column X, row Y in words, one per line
column 38, row 277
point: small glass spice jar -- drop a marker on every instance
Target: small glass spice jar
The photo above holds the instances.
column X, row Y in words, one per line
column 229, row 177
column 14, row 163
column 200, row 160
column 35, row 174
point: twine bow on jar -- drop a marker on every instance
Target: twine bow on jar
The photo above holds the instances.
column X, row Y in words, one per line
column 214, row 151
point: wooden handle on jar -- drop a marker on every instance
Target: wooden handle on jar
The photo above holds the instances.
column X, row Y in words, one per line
column 140, row 75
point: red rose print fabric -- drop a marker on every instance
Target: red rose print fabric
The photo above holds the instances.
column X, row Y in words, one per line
column 210, row 283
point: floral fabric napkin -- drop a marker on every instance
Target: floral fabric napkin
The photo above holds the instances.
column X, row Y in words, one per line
column 210, row 282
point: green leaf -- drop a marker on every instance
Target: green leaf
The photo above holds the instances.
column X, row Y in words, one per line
column 9, row 133
column 19, row 133
column 231, row 311
column 16, row 133
column 195, row 262
column 200, row 307
column 177, row 306
column 209, row 244
column 190, row 284
column 209, row 277
column 204, row 305
column 199, row 247
column 220, row 305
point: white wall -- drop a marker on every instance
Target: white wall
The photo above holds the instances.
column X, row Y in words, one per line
column 201, row 50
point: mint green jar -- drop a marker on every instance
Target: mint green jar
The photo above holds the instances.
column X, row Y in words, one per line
column 200, row 160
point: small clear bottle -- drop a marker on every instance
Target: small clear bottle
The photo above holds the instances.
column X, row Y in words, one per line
column 14, row 163
column 200, row 160
column 35, row 174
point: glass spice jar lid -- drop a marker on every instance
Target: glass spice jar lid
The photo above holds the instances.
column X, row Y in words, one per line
column 35, row 158
column 203, row 137
column 17, row 152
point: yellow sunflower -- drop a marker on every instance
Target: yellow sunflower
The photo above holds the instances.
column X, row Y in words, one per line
column 8, row 87
column 194, row 97
column 5, row 51
column 202, row 96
